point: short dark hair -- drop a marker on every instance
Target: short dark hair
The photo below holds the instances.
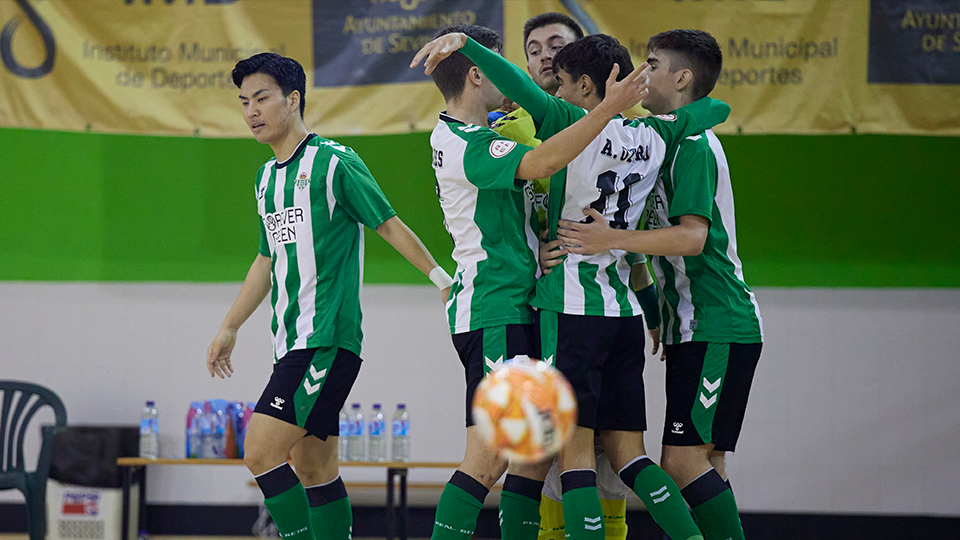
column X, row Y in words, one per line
column 546, row 19
column 286, row 71
column 594, row 55
column 697, row 51
column 451, row 73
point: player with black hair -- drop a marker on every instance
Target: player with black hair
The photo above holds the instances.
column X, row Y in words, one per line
column 712, row 328
column 589, row 319
column 312, row 197
column 482, row 183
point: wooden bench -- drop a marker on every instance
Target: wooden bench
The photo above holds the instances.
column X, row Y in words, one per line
column 396, row 486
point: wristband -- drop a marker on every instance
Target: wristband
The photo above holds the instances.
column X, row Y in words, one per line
column 650, row 304
column 440, row 278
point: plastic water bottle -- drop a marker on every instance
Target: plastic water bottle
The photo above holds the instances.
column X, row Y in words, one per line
column 377, row 428
column 357, row 448
column 210, row 444
column 193, row 429
column 343, row 441
column 400, row 437
column 149, row 432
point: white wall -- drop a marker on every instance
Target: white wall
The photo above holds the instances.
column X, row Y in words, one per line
column 854, row 407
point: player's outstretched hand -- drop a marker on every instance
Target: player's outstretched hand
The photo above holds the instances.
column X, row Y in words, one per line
column 218, row 353
column 587, row 238
column 624, row 94
column 438, row 49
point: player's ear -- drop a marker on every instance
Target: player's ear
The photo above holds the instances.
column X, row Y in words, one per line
column 585, row 83
column 475, row 76
column 684, row 79
column 294, row 99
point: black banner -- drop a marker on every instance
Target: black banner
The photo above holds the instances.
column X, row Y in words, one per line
column 914, row 42
column 362, row 42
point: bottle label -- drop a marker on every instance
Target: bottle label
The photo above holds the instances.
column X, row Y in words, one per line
column 149, row 425
column 378, row 428
column 401, row 428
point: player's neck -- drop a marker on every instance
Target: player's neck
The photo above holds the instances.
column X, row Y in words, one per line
column 287, row 143
column 468, row 111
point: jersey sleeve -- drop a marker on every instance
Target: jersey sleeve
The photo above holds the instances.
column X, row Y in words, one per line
column 694, row 181
column 355, row 189
column 264, row 247
column 491, row 160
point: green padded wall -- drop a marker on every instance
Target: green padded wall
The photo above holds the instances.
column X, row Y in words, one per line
column 830, row 211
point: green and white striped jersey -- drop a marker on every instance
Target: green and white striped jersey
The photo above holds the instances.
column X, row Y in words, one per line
column 702, row 298
column 489, row 215
column 613, row 175
column 312, row 210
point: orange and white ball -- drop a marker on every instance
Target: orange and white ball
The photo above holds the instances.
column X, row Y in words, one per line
column 525, row 410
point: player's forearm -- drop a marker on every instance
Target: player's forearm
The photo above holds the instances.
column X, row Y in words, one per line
column 254, row 290
column 508, row 78
column 672, row 241
column 559, row 150
column 398, row 235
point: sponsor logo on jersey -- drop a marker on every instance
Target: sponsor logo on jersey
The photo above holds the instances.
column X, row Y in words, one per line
column 500, row 148
column 666, row 117
column 677, row 428
column 282, row 226
column 278, row 403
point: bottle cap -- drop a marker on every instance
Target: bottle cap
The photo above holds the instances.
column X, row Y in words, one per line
column 357, row 405
column 401, row 405
column 376, row 405
column 150, row 404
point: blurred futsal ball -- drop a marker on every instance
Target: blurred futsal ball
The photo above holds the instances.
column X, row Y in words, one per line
column 525, row 410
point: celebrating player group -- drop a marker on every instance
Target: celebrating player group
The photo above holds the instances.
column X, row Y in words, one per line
column 554, row 200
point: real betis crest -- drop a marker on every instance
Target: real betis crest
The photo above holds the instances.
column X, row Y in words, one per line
column 303, row 181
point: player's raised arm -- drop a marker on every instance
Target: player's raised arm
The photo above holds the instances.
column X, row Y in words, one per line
column 508, row 78
column 559, row 150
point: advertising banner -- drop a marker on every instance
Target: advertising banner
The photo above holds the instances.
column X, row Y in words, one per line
column 164, row 66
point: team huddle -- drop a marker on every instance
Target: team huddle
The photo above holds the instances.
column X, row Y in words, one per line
column 554, row 201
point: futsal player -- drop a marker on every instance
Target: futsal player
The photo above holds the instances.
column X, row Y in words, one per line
column 589, row 319
column 313, row 198
column 712, row 328
column 482, row 183
column 543, row 37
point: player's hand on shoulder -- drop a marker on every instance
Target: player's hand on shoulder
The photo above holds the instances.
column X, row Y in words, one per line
column 438, row 49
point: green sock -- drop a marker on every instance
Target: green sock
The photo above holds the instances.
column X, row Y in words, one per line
column 330, row 515
column 286, row 500
column 460, row 504
column 582, row 513
column 662, row 498
column 714, row 506
column 520, row 508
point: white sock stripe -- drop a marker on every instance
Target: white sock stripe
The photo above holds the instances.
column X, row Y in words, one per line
column 632, row 461
column 323, row 484
column 271, row 470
